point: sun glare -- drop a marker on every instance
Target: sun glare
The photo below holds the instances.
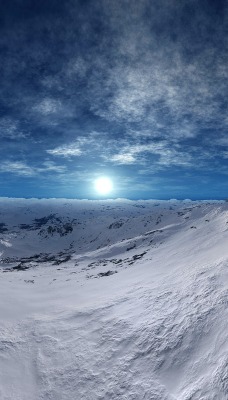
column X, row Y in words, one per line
column 103, row 185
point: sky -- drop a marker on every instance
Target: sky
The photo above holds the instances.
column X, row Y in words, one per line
column 133, row 90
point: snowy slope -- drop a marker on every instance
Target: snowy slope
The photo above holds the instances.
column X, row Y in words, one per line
column 113, row 300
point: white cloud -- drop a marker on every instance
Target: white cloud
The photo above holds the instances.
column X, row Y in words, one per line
column 51, row 166
column 76, row 68
column 9, row 129
column 81, row 145
column 66, row 150
column 23, row 169
column 123, row 158
column 17, row 167
column 225, row 154
column 161, row 88
column 48, row 106
column 136, row 154
column 221, row 141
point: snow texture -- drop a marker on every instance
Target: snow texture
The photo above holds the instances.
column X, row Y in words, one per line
column 113, row 300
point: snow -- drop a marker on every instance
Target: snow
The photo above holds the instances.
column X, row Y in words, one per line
column 113, row 300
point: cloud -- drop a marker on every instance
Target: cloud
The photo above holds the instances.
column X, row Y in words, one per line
column 17, row 168
column 73, row 149
column 143, row 151
column 166, row 153
column 23, row 169
column 221, row 140
column 66, row 150
column 169, row 88
column 153, row 94
column 147, row 88
column 80, row 146
column 50, row 166
column 47, row 106
column 9, row 129
column 123, row 158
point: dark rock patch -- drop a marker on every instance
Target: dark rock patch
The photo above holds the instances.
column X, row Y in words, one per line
column 108, row 273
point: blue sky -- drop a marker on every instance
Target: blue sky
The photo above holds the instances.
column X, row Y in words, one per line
column 132, row 90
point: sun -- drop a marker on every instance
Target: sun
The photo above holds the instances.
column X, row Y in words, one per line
column 103, row 185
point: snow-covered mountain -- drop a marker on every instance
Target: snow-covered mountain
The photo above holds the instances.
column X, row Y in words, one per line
column 113, row 300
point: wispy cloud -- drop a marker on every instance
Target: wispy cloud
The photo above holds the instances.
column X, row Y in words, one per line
column 23, row 169
column 9, row 128
column 167, row 155
column 66, row 150
column 76, row 148
column 47, row 106
column 17, row 168
column 50, row 166
column 123, row 158
column 145, row 91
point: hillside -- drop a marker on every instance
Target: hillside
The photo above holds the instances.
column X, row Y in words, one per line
column 113, row 300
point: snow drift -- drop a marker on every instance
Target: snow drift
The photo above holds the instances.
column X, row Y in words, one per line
column 113, row 300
